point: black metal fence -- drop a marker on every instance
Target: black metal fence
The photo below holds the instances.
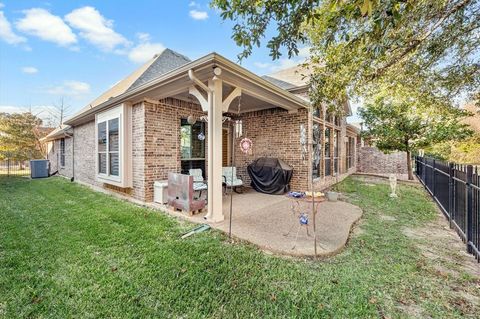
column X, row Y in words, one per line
column 11, row 167
column 456, row 189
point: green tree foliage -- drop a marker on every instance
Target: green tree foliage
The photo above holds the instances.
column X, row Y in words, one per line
column 404, row 124
column 466, row 151
column 20, row 135
column 430, row 46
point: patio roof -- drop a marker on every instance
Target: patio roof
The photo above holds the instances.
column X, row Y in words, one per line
column 257, row 92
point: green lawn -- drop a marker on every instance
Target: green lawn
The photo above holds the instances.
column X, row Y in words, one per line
column 66, row 251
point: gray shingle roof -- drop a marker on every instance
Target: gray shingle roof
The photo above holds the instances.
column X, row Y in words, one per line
column 282, row 84
column 167, row 61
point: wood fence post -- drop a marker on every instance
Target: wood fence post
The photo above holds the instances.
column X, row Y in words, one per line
column 469, row 232
column 8, row 166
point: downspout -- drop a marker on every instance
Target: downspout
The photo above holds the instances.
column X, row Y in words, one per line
column 192, row 77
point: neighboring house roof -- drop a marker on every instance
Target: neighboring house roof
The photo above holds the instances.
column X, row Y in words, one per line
column 291, row 78
column 159, row 64
column 296, row 80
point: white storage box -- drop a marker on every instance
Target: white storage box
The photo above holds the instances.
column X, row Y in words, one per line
column 160, row 192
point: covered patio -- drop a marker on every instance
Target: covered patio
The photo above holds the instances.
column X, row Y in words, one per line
column 217, row 86
column 267, row 221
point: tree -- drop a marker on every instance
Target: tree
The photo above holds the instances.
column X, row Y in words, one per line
column 430, row 45
column 58, row 113
column 20, row 135
column 402, row 123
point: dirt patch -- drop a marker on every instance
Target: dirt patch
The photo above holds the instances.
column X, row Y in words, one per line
column 439, row 243
column 446, row 258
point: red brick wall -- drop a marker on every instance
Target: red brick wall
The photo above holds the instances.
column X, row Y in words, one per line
column 156, row 144
column 162, row 139
column 372, row 160
column 274, row 133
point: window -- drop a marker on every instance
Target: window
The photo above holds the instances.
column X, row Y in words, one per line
column 337, row 121
column 62, row 152
column 336, row 142
column 108, row 147
column 328, row 158
column 192, row 147
column 113, row 146
column 317, row 151
column 102, row 147
column 350, row 148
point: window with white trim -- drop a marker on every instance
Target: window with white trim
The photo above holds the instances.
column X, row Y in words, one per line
column 109, row 147
column 62, row 152
column 113, row 146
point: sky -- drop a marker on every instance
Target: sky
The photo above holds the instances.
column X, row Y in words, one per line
column 75, row 50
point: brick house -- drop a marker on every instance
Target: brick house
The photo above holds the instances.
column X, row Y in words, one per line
column 138, row 131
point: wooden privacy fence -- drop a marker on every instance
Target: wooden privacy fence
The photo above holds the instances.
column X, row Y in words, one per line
column 10, row 167
column 456, row 189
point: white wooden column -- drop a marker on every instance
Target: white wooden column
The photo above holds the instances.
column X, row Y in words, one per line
column 214, row 105
column 215, row 191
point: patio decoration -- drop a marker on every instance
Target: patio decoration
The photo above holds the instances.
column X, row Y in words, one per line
column 298, row 199
column 246, row 145
column 303, row 219
column 238, row 127
column 393, row 185
column 201, row 136
column 303, row 141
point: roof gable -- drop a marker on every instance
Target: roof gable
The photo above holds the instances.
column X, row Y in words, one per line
column 153, row 68
column 167, row 61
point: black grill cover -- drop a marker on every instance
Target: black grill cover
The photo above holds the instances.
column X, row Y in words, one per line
column 270, row 175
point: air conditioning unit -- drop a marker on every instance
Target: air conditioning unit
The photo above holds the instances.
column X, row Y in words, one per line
column 39, row 168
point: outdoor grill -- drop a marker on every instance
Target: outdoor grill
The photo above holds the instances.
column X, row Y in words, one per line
column 270, row 175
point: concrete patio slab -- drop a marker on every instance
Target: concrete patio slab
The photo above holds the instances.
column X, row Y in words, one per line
column 265, row 220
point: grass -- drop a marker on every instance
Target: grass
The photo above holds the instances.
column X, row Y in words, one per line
column 66, row 251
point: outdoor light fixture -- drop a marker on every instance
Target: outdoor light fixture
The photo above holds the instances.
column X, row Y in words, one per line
column 191, row 119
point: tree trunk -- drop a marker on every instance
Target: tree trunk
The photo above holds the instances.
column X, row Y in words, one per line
column 409, row 166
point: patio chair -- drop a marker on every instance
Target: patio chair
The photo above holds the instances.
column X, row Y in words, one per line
column 180, row 194
column 199, row 184
column 228, row 173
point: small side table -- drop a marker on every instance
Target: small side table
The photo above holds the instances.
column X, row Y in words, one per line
column 296, row 203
